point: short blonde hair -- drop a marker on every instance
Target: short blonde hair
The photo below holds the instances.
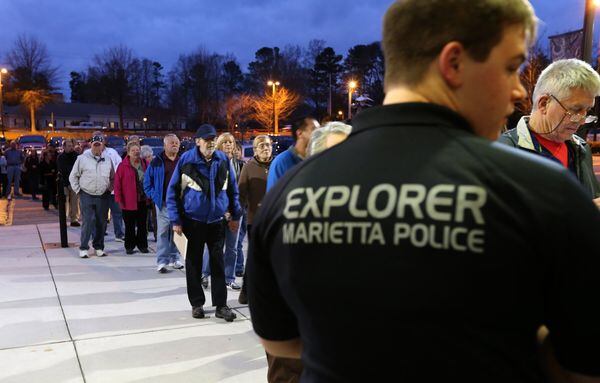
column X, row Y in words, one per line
column 131, row 144
column 224, row 137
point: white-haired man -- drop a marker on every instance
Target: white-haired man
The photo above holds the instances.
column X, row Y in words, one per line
column 563, row 95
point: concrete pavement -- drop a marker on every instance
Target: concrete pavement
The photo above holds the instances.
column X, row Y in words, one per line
column 111, row 319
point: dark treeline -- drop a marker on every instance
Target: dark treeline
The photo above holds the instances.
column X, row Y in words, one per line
column 205, row 86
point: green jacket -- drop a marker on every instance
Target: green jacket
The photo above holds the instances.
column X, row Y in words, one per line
column 520, row 137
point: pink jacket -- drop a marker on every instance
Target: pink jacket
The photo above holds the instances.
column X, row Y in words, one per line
column 126, row 185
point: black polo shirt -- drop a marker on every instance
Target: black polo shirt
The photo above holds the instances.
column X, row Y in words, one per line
column 416, row 251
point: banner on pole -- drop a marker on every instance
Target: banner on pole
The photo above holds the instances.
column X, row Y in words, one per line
column 567, row 45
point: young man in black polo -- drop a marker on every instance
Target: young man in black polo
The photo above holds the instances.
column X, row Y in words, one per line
column 474, row 231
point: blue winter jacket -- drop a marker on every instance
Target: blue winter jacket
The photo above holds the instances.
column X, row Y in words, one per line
column 203, row 192
column 154, row 179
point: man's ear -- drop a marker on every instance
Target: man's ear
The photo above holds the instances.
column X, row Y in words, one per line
column 542, row 103
column 451, row 63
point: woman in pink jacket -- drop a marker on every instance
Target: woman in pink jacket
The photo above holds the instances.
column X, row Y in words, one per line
column 129, row 193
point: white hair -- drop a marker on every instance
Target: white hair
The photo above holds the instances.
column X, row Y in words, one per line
column 145, row 151
column 562, row 76
column 318, row 138
column 168, row 136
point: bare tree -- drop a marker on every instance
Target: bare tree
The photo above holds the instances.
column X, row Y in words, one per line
column 280, row 106
column 238, row 108
column 536, row 63
column 31, row 65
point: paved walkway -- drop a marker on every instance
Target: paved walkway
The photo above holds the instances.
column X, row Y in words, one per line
column 111, row 319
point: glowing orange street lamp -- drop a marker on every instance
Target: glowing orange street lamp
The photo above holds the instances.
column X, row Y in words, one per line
column 352, row 85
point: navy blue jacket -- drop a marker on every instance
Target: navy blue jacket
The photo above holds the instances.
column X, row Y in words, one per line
column 203, row 192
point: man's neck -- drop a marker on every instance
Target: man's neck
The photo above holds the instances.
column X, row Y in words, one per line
column 536, row 123
column 300, row 148
column 431, row 90
column 171, row 156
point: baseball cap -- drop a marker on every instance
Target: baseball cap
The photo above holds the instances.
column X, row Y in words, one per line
column 97, row 139
column 206, row 131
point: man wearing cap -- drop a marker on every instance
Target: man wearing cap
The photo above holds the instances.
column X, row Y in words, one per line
column 201, row 192
column 92, row 178
column 113, row 206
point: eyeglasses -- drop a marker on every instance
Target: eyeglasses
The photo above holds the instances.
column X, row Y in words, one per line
column 263, row 145
column 576, row 117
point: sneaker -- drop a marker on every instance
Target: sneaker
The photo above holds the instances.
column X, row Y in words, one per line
column 233, row 286
column 239, row 274
column 162, row 268
column 83, row 253
column 144, row 250
column 120, row 239
column 204, row 281
column 225, row 312
column 100, row 253
column 75, row 224
column 243, row 298
column 177, row 265
column 198, row 312
column 129, row 251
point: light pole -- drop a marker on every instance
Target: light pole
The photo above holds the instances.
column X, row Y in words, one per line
column 145, row 119
column 273, row 84
column 2, row 71
column 351, row 86
column 340, row 115
column 588, row 29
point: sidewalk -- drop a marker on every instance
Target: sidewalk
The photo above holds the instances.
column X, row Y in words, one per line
column 111, row 319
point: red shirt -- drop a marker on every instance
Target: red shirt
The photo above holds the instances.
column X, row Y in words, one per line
column 558, row 149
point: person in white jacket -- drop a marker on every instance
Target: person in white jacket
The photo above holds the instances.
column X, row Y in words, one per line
column 92, row 178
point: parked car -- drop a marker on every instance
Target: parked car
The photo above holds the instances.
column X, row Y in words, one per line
column 156, row 143
column 57, row 141
column 117, row 143
column 35, row 141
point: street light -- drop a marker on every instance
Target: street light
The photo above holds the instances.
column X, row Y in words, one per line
column 351, row 86
column 145, row 119
column 340, row 115
column 273, row 84
column 2, row 71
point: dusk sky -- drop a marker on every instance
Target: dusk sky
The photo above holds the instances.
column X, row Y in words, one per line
column 162, row 30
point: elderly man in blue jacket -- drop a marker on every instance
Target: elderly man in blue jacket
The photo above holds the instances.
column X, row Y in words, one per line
column 156, row 182
column 202, row 200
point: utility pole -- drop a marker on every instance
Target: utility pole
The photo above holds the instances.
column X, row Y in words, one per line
column 588, row 30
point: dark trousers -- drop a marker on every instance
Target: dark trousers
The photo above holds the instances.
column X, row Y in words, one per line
column 136, row 219
column 4, row 183
column 213, row 235
column 93, row 212
column 48, row 193
column 33, row 180
column 244, row 286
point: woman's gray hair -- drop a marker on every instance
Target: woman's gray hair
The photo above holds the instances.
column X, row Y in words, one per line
column 318, row 138
column 563, row 76
column 145, row 151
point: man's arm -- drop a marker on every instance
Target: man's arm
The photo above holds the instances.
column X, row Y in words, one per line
column 283, row 348
column 243, row 187
column 74, row 176
column 173, row 198
column 149, row 181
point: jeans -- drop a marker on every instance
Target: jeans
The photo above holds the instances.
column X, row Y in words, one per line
column 93, row 211
column 117, row 217
column 239, row 262
column 136, row 233
column 13, row 173
column 229, row 256
column 166, row 251
column 213, row 235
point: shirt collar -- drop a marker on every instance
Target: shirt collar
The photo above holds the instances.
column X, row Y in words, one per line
column 410, row 114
